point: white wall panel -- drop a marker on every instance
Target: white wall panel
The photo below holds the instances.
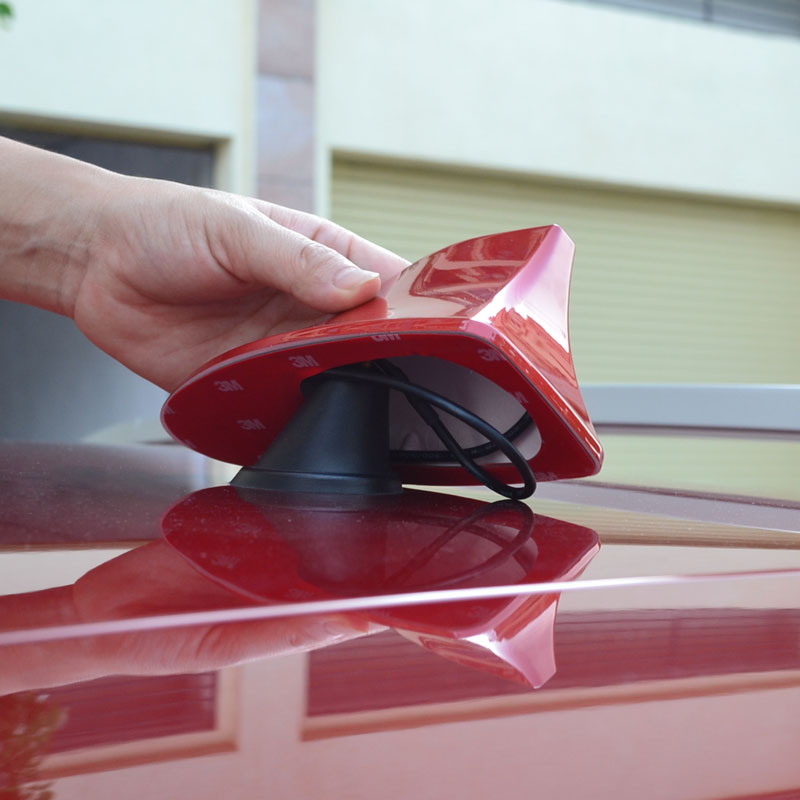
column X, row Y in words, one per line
column 665, row 288
column 563, row 89
column 171, row 69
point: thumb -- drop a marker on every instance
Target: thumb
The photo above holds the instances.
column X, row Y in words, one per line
column 261, row 251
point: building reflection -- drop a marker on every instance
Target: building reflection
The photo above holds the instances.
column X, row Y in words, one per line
column 284, row 548
column 146, row 695
column 232, row 549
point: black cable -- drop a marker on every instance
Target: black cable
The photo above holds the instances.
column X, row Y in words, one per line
column 422, row 399
column 427, row 456
column 472, row 524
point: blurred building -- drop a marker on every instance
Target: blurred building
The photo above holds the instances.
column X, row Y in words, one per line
column 661, row 135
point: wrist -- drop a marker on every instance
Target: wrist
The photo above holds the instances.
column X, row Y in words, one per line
column 48, row 219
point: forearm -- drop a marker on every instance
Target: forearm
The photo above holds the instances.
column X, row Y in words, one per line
column 46, row 224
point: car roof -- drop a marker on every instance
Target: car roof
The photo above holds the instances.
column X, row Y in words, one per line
column 626, row 635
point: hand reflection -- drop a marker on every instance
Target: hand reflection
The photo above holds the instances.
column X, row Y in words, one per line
column 290, row 548
column 226, row 548
column 149, row 580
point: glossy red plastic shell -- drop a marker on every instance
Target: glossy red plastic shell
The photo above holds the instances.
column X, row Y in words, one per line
column 497, row 305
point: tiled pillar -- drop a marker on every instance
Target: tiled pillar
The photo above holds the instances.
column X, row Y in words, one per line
column 286, row 102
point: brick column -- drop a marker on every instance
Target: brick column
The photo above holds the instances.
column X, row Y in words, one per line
column 286, row 102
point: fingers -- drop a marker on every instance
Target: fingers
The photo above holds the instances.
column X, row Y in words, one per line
column 314, row 260
column 239, row 642
column 257, row 249
column 315, row 274
column 360, row 251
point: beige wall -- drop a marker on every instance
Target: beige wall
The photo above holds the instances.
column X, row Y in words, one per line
column 180, row 70
column 285, row 102
column 700, row 747
column 563, row 89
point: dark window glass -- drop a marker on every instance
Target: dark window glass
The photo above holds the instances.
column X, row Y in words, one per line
column 772, row 16
column 182, row 164
column 683, row 8
column 56, row 385
column 780, row 16
column 126, row 709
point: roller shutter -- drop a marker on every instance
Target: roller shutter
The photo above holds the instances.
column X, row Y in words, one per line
column 666, row 288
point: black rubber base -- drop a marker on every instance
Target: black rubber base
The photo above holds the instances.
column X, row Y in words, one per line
column 337, row 443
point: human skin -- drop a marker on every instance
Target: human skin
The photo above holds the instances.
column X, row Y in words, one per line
column 164, row 276
column 148, row 581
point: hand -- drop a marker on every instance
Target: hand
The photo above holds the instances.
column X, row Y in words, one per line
column 163, row 276
column 179, row 275
column 147, row 581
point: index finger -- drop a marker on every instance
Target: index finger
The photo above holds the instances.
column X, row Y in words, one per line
column 360, row 251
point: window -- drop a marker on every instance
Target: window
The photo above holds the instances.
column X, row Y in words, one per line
column 57, row 386
column 773, row 16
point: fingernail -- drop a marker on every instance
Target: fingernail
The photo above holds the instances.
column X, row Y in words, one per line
column 353, row 277
column 346, row 625
column 336, row 629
